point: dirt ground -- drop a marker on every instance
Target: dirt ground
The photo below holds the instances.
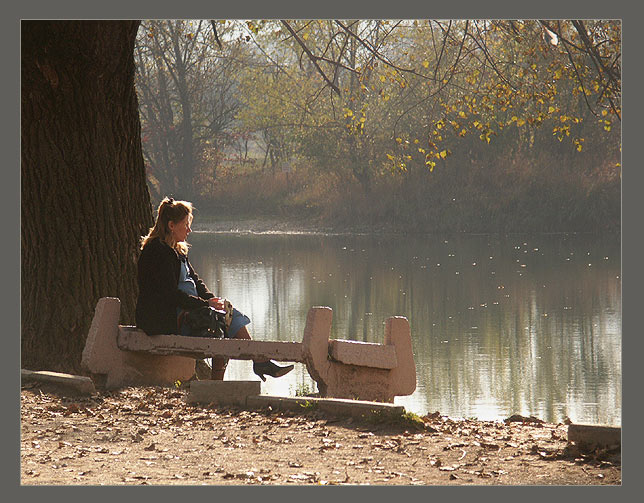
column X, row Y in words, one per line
column 151, row 436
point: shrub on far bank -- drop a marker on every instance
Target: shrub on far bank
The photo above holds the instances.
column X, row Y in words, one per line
column 509, row 195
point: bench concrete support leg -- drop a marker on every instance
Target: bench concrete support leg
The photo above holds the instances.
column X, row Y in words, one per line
column 315, row 345
column 339, row 380
column 113, row 368
column 375, row 384
column 403, row 376
column 359, row 383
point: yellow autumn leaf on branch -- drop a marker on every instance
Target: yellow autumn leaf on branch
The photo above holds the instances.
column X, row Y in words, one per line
column 578, row 144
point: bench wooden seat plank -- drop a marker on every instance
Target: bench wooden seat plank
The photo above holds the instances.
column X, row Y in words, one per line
column 133, row 339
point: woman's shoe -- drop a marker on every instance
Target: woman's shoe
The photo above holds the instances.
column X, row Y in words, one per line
column 270, row 369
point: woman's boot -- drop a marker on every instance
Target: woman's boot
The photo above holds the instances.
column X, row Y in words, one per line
column 269, row 368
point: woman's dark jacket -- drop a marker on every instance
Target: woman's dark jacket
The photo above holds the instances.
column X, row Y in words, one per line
column 159, row 295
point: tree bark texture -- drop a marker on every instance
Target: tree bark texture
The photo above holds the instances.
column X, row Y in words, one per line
column 84, row 198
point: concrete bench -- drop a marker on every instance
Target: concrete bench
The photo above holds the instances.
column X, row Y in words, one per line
column 118, row 356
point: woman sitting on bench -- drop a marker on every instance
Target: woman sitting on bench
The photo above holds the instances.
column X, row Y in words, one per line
column 169, row 287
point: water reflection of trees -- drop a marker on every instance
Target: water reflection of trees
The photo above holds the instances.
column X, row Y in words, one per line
column 499, row 326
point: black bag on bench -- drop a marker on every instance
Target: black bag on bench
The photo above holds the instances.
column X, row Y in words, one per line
column 206, row 322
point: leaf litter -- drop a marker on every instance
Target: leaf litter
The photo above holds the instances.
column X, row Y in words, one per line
column 152, row 436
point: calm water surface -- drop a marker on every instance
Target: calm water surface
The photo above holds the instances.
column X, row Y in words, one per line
column 500, row 325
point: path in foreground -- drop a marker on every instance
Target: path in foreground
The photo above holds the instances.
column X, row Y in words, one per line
column 151, row 436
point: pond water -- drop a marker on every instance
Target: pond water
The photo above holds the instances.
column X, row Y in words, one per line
column 500, row 325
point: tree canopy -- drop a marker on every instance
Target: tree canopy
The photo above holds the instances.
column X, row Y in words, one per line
column 381, row 94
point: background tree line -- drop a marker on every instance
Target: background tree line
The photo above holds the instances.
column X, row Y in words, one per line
column 448, row 125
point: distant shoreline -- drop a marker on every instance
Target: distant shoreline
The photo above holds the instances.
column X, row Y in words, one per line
column 289, row 225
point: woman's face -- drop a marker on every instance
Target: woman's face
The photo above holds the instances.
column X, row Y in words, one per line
column 181, row 229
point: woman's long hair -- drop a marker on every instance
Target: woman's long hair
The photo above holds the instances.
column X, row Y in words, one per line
column 169, row 211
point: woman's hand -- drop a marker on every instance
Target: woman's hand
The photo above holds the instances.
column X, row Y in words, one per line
column 216, row 303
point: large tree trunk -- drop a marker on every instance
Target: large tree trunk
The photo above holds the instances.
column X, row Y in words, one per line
column 85, row 201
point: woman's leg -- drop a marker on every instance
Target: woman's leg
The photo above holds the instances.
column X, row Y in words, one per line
column 260, row 367
column 264, row 366
column 219, row 363
column 242, row 333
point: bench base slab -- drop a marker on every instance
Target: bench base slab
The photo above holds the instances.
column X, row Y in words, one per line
column 80, row 385
column 334, row 406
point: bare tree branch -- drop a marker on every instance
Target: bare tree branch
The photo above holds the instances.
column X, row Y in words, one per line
column 214, row 31
column 314, row 59
column 608, row 75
